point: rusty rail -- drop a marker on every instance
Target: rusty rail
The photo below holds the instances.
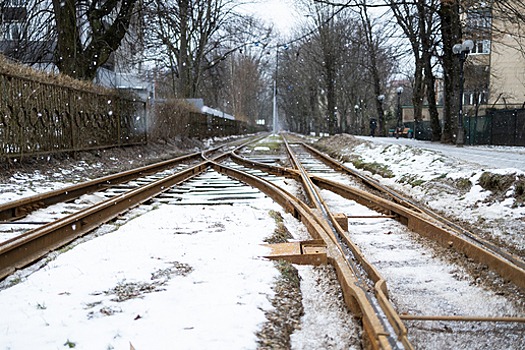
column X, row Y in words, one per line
column 406, row 213
column 428, row 223
column 355, row 297
column 383, row 327
column 22, row 207
column 19, row 208
column 31, row 246
column 24, row 249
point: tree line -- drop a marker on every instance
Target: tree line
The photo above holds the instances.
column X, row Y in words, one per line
column 333, row 73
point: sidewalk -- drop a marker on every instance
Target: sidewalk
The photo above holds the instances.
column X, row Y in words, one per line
column 489, row 156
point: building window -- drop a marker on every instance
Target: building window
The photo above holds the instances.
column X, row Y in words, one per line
column 16, row 3
column 479, row 20
column 478, row 28
column 475, row 98
column 481, row 47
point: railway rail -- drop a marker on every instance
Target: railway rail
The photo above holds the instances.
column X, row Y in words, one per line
column 192, row 179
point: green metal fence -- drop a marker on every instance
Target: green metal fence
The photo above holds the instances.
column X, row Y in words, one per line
column 504, row 127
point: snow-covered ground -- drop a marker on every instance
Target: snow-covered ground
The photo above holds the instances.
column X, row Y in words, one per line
column 503, row 157
column 446, row 178
column 175, row 277
column 192, row 277
column 167, row 276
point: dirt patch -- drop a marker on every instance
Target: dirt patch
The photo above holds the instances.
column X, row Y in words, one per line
column 285, row 318
column 287, row 301
column 131, row 290
column 501, row 184
column 338, row 142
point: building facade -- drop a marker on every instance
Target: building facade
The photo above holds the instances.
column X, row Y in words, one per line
column 495, row 67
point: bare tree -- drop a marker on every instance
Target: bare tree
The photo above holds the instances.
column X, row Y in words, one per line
column 299, row 91
column 372, row 45
column 450, row 34
column 88, row 32
column 329, row 72
column 184, row 34
column 26, row 33
column 407, row 18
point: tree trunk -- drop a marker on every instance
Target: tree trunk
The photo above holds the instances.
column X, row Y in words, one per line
column 374, row 71
column 451, row 34
column 418, row 93
column 184, row 64
column 69, row 47
column 106, row 34
column 425, row 25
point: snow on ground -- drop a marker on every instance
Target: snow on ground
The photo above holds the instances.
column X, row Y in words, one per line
column 183, row 277
column 432, row 172
column 191, row 277
column 168, row 276
column 420, row 282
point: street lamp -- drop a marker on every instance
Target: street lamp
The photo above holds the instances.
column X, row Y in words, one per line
column 399, row 91
column 380, row 98
column 357, row 119
column 380, row 116
column 275, row 114
column 462, row 51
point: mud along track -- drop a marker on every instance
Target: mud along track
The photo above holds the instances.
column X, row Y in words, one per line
column 31, row 245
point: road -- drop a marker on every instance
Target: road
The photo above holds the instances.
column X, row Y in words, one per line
column 489, row 156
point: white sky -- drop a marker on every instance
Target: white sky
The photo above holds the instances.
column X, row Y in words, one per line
column 282, row 14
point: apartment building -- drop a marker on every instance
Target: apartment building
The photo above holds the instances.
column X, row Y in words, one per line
column 20, row 39
column 495, row 67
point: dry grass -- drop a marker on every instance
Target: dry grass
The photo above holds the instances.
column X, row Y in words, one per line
column 17, row 70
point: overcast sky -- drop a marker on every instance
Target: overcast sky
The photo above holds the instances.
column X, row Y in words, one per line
column 281, row 13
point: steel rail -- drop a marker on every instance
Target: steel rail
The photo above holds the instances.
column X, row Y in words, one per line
column 32, row 245
column 399, row 198
column 65, row 230
column 19, row 208
column 355, row 297
column 442, row 231
column 463, row 318
column 380, row 307
column 22, row 207
column 22, row 250
column 416, row 220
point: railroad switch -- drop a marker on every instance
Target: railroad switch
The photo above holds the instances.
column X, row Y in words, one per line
column 311, row 252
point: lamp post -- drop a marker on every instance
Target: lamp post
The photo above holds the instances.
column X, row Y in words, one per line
column 462, row 51
column 380, row 98
column 275, row 114
column 380, row 113
column 399, row 91
column 357, row 119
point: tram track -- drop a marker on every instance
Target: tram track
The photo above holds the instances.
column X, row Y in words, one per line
column 142, row 184
column 416, row 219
column 365, row 290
